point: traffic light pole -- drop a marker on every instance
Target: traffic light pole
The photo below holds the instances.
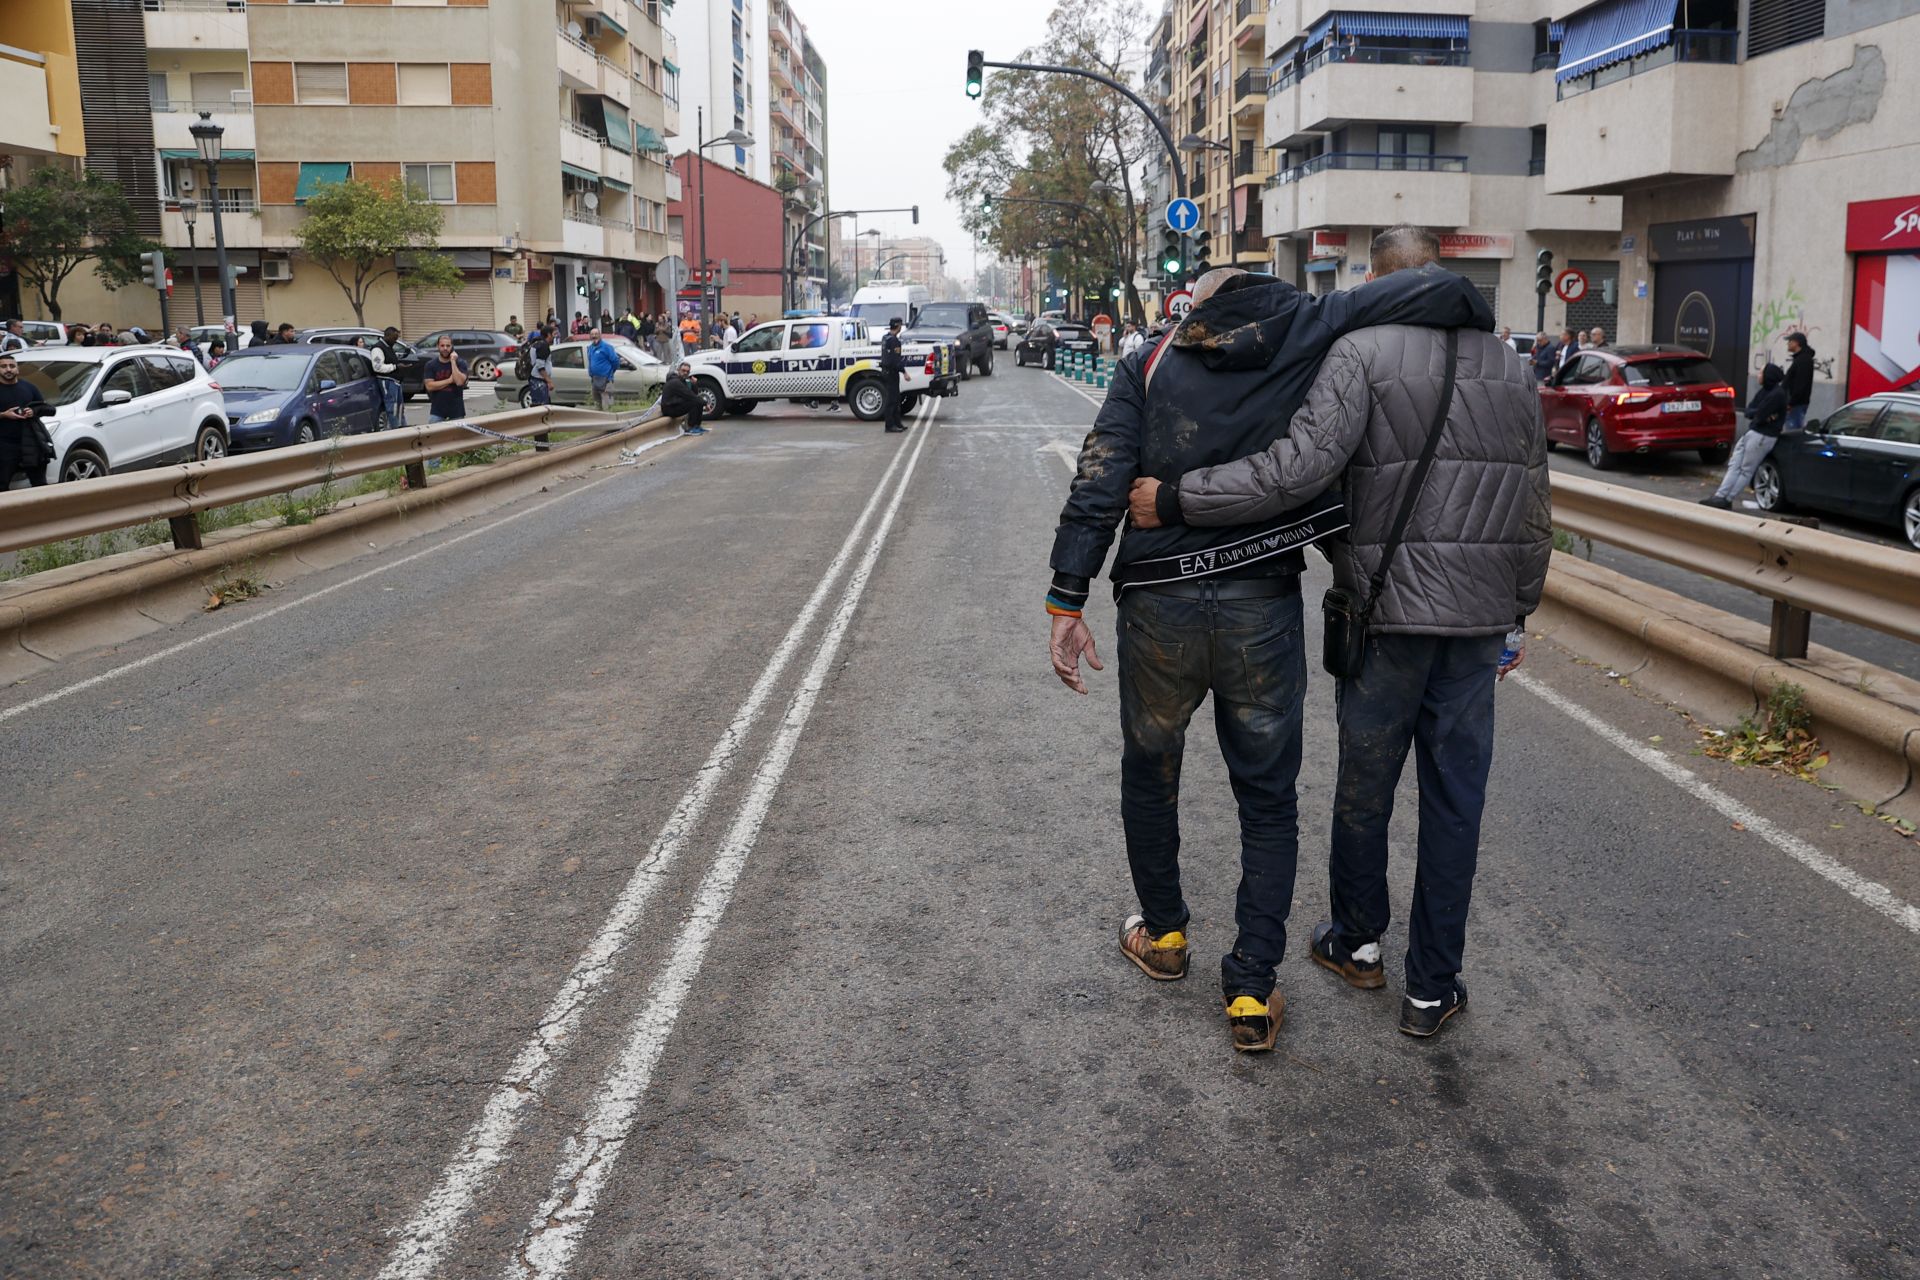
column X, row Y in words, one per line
column 1160, row 126
column 819, row 218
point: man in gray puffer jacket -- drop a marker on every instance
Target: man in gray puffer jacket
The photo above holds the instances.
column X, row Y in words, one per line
column 1471, row 566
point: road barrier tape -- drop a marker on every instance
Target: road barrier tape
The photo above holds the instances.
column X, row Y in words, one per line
column 548, row 446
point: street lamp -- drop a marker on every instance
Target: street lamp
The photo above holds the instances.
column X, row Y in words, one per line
column 732, row 137
column 207, row 135
column 189, row 214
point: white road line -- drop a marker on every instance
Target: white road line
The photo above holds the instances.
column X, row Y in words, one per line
column 1871, row 892
column 423, row 1242
column 1067, row 453
column 253, row 619
column 1080, row 391
column 554, row 1234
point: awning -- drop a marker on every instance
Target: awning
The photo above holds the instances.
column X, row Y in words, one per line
column 1317, row 33
column 607, row 18
column 1425, row 26
column 1323, row 264
column 1556, row 31
column 190, row 153
column 615, row 183
column 574, row 170
column 619, row 135
column 1613, row 32
column 314, row 176
column 668, row 64
column 645, row 139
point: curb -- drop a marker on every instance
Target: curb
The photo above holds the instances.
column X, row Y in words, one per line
column 1594, row 612
column 84, row 608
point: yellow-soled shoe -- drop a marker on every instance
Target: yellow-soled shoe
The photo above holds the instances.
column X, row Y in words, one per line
column 1255, row 1023
column 1164, row 959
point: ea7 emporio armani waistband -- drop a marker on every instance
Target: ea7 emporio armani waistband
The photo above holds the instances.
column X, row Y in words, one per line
column 1296, row 531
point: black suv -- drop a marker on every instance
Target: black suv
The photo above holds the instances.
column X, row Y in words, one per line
column 965, row 326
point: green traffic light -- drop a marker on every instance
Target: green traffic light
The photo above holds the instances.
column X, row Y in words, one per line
column 973, row 88
column 1171, row 266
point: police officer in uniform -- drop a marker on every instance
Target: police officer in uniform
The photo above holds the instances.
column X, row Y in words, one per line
column 892, row 364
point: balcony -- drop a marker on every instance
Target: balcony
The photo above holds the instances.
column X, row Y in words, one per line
column 1548, row 212
column 580, row 234
column 580, row 146
column 196, row 24
column 579, row 64
column 1365, row 189
column 1250, row 93
column 172, row 128
column 241, row 226
column 616, row 82
column 27, row 124
column 670, row 118
column 787, row 112
column 673, row 186
column 1253, row 165
column 1389, row 90
column 1613, row 131
column 1249, row 21
column 617, row 165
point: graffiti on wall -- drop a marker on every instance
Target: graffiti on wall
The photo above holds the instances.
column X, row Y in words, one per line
column 1773, row 320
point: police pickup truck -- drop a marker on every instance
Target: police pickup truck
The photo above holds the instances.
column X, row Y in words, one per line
column 819, row 362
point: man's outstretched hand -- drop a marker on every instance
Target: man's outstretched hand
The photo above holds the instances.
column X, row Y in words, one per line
column 1140, row 503
column 1069, row 640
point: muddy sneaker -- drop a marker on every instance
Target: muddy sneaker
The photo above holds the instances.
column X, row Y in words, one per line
column 1163, row 958
column 1424, row 1017
column 1360, row 967
column 1254, row 1023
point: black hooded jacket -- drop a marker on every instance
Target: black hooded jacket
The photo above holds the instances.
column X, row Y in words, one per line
column 1238, row 367
column 1800, row 377
column 1768, row 411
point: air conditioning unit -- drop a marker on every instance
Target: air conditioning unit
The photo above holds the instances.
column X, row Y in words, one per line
column 276, row 270
column 590, row 29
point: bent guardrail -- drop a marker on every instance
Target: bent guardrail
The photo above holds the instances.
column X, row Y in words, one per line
column 177, row 493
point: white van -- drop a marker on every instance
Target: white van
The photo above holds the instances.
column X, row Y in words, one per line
column 881, row 300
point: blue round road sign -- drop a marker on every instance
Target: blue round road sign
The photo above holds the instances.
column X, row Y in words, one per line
column 1183, row 215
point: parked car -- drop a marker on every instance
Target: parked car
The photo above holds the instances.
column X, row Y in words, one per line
column 1045, row 338
column 298, row 393
column 1004, row 328
column 411, row 360
column 964, row 326
column 124, row 408
column 641, row 374
column 1629, row 399
column 1861, row 461
column 486, row 351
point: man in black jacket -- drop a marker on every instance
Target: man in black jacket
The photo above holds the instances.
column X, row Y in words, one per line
column 1215, row 610
column 1799, row 380
column 680, row 399
column 25, row 445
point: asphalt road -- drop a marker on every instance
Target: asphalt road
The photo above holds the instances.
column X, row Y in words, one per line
column 696, row 871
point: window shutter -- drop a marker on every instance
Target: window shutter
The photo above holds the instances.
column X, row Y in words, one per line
column 1776, row 24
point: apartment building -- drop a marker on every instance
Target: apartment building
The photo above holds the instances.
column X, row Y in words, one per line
column 1219, row 92
column 797, row 144
column 552, row 170
column 724, row 81
column 1696, row 161
column 40, row 85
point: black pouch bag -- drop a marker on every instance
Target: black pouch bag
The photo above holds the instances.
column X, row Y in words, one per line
column 1343, row 647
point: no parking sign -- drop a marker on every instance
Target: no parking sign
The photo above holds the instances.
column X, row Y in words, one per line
column 1570, row 285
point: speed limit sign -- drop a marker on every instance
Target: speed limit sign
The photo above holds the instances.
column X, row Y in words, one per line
column 1179, row 303
column 1570, row 285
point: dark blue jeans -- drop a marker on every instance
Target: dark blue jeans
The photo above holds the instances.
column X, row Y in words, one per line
column 1249, row 655
column 1434, row 693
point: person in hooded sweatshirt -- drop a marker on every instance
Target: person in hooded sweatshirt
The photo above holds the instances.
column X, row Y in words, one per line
column 1215, row 610
column 1799, row 381
column 1766, row 416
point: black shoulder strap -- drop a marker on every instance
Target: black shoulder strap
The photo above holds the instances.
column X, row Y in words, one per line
column 1420, row 471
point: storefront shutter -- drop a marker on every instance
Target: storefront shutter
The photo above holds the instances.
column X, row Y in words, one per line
column 249, row 299
column 471, row 308
column 1483, row 274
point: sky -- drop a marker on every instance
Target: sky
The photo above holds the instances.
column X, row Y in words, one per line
column 896, row 100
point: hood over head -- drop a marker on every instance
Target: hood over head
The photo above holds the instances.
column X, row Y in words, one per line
column 1772, row 375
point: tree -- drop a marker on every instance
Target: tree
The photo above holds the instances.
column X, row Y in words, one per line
column 362, row 232
column 1054, row 137
column 58, row 220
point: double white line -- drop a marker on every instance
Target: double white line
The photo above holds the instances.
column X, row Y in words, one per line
column 553, row 1234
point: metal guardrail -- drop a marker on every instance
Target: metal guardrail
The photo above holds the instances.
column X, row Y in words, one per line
column 176, row 494
column 1796, row 566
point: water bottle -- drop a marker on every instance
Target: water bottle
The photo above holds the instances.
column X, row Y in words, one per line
column 1516, row 641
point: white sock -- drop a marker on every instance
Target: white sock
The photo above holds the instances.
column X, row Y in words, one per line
column 1423, row 1004
column 1369, row 954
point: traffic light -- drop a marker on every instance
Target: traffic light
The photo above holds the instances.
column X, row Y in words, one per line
column 1171, row 260
column 1543, row 274
column 986, row 201
column 976, row 72
column 155, row 266
column 1114, row 293
column 1202, row 252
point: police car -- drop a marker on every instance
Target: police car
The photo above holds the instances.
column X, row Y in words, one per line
column 820, row 362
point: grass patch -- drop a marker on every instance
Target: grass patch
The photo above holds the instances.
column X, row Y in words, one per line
column 1779, row 736
column 1573, row 544
column 236, row 585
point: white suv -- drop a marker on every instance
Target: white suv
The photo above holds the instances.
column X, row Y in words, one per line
column 123, row 408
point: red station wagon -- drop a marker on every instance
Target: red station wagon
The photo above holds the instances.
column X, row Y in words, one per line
column 1615, row 400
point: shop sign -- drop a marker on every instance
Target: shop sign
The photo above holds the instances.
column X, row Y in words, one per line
column 1327, row 244
column 1705, row 239
column 1883, row 226
column 1472, row 244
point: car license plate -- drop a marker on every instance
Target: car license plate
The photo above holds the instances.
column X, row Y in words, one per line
column 1680, row 406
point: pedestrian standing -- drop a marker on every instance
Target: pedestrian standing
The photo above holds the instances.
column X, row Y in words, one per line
column 1598, row 338
column 513, row 329
column 216, row 352
column 1569, row 348
column 1799, row 381
column 679, row 398
column 386, row 368
column 1131, row 340
column 24, row 442
column 602, row 363
column 1766, row 416
column 1541, row 357
column 446, row 381
column 646, row 330
column 730, row 335
column 1425, row 629
column 284, row 335
column 893, row 363
column 539, row 369
column 689, row 332
column 14, row 339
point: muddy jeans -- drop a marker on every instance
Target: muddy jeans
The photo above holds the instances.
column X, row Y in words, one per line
column 1248, row 653
column 1434, row 693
